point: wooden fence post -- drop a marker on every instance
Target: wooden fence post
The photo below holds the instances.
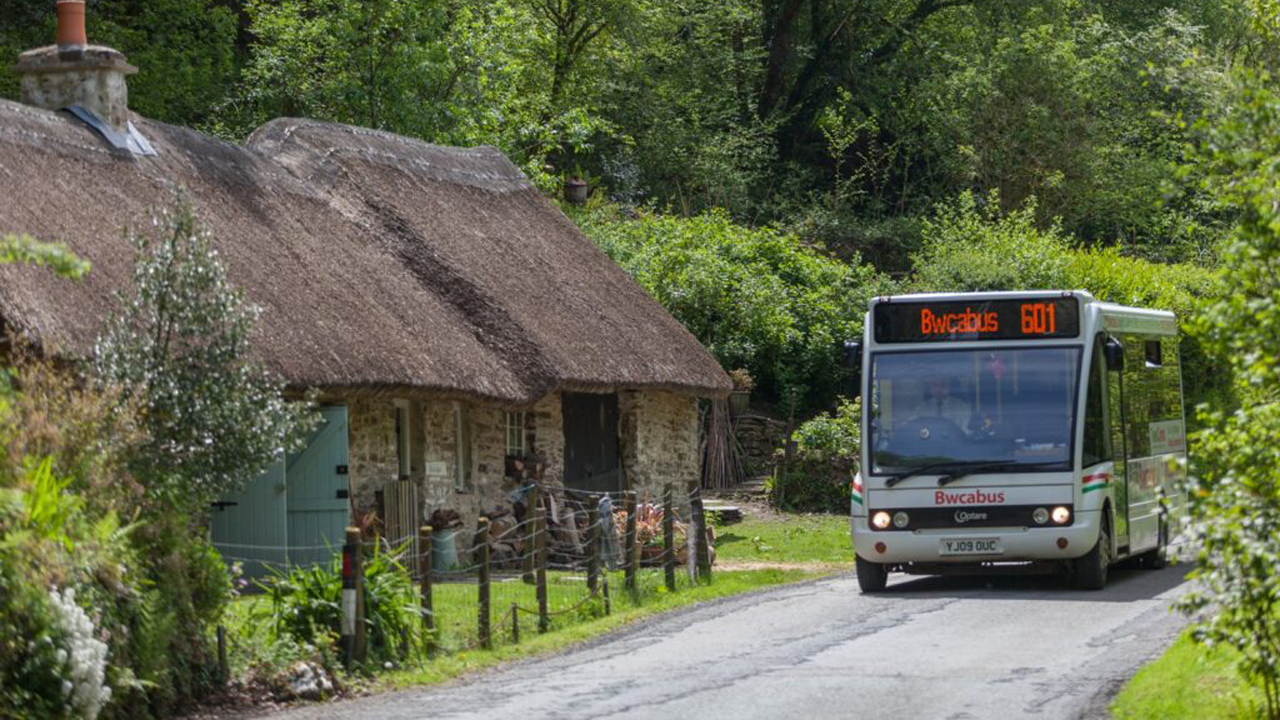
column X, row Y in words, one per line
column 531, row 535
column 425, row 570
column 604, row 589
column 629, row 545
column 353, row 598
column 540, row 571
column 700, row 525
column 224, row 672
column 593, row 545
column 515, row 623
column 482, row 532
column 669, row 537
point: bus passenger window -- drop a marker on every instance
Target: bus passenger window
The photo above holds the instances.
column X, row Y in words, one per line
column 1152, row 348
column 1097, row 440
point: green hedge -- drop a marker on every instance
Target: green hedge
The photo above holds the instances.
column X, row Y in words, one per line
column 757, row 298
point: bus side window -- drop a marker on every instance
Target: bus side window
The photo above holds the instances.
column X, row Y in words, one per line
column 1141, row 388
column 1153, row 355
column 1097, row 439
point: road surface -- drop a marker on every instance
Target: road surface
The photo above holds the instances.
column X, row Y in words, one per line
column 927, row 648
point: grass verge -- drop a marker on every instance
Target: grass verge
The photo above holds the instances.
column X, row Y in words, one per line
column 447, row 667
column 822, row 540
column 1188, row 681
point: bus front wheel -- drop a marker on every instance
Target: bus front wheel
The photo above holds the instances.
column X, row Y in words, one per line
column 1091, row 568
column 872, row 577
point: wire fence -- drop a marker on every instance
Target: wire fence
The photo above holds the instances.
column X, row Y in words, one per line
column 559, row 557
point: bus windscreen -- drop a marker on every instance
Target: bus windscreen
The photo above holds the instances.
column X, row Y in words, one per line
column 1004, row 319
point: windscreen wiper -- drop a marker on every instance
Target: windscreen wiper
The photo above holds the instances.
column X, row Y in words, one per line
column 966, row 471
column 931, row 467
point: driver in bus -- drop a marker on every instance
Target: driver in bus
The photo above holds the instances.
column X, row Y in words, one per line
column 939, row 402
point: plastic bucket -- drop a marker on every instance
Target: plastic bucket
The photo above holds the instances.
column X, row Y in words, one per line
column 444, row 550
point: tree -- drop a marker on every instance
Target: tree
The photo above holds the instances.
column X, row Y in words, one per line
column 1236, row 486
column 757, row 298
column 180, row 343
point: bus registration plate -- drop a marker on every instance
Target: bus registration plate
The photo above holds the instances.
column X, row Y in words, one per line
column 970, row 546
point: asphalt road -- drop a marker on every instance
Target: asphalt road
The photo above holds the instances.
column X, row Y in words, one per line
column 927, row 648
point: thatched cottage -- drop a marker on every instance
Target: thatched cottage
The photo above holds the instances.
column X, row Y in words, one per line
column 453, row 320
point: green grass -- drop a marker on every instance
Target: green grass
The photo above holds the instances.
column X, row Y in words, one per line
column 818, row 539
column 801, row 547
column 1188, row 681
column 566, row 632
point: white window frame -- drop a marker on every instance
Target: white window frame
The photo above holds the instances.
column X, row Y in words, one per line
column 513, row 433
column 462, row 442
column 404, row 431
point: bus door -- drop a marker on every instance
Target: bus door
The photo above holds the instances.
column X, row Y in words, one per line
column 1115, row 421
column 1144, row 388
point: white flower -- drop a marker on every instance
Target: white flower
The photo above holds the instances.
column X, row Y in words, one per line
column 85, row 657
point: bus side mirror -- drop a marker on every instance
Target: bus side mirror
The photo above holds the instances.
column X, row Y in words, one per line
column 1113, row 351
column 853, row 361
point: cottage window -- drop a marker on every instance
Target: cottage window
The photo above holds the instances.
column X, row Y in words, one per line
column 462, row 448
column 402, row 439
column 514, row 424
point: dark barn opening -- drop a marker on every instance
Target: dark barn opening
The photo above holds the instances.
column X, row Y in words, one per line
column 591, row 442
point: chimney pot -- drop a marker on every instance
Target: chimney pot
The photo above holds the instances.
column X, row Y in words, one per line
column 71, row 33
column 73, row 72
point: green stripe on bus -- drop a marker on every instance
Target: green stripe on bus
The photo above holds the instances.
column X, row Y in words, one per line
column 857, row 498
column 1091, row 488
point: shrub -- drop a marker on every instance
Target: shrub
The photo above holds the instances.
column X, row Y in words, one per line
column 306, row 604
column 827, row 451
column 184, row 333
column 757, row 298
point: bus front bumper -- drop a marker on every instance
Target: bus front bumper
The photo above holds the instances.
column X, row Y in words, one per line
column 897, row 547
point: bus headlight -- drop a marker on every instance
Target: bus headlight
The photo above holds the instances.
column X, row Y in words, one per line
column 1061, row 515
column 900, row 519
column 1040, row 516
column 880, row 520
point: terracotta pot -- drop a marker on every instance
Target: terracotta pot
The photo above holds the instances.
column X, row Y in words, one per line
column 575, row 191
column 71, row 32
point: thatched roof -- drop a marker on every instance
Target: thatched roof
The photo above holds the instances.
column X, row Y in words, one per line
column 384, row 265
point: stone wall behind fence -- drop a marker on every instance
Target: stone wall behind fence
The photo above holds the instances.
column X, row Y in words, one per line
column 658, row 434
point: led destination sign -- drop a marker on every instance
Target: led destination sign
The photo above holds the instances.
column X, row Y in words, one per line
column 903, row 322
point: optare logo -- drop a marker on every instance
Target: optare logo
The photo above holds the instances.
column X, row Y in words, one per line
column 968, row 497
column 964, row 516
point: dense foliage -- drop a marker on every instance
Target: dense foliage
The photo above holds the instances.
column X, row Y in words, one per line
column 1237, row 494
column 758, row 298
column 817, row 477
column 109, row 590
column 845, row 120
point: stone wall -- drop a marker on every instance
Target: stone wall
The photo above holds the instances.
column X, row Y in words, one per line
column 659, row 441
column 371, row 450
column 658, row 434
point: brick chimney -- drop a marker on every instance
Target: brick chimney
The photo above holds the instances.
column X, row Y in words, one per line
column 73, row 72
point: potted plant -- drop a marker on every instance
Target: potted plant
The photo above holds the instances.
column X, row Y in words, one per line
column 740, row 397
column 577, row 186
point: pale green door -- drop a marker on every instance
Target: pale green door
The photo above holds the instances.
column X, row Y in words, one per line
column 295, row 513
column 318, row 496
